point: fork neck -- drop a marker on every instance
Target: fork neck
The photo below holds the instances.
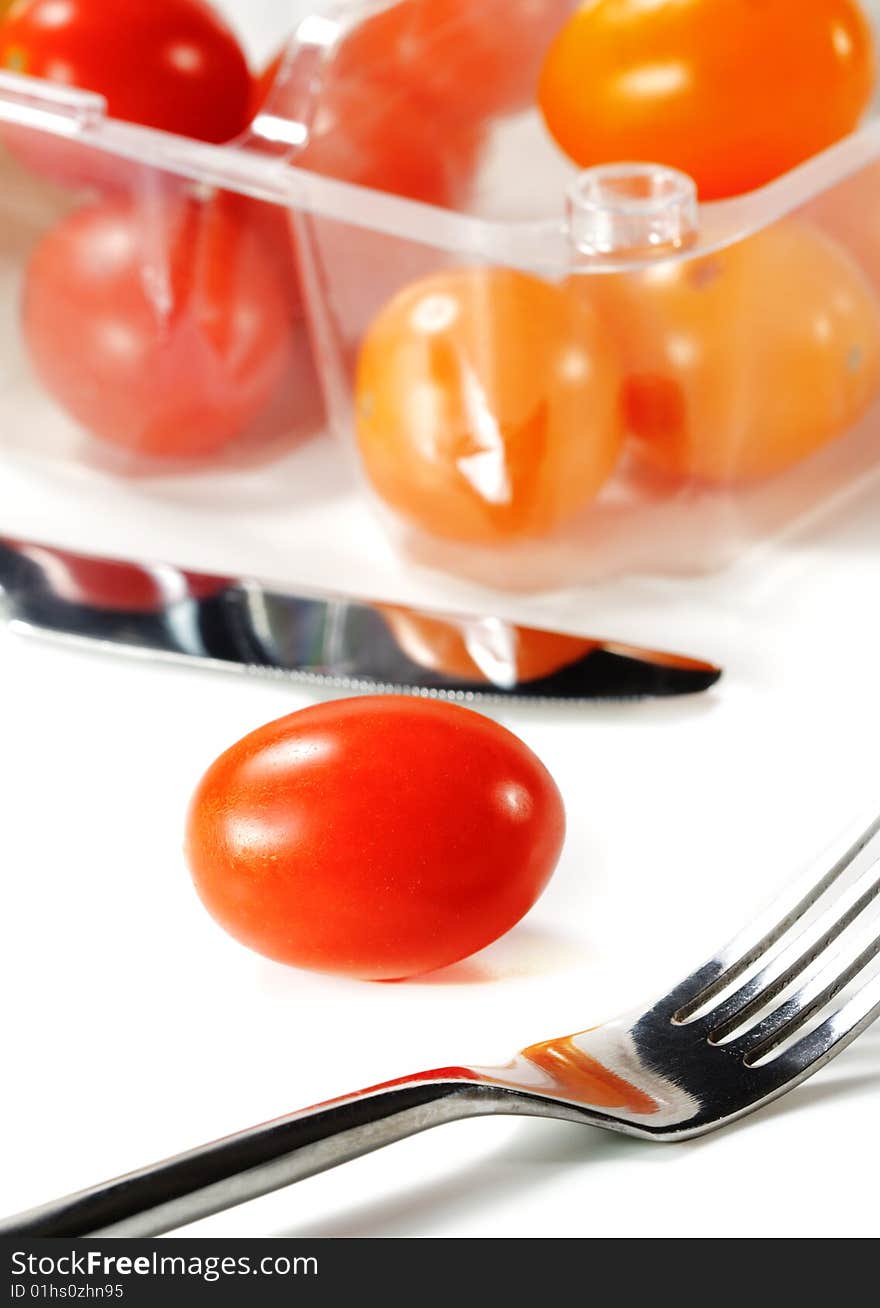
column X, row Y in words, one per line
column 252, row 1163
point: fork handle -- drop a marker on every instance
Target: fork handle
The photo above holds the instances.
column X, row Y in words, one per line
column 241, row 1167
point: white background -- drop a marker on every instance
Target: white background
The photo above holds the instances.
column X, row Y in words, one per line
column 133, row 1028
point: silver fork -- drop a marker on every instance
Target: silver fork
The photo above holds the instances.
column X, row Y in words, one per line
column 787, row 995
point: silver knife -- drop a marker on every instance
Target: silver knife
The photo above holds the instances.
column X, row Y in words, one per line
column 166, row 612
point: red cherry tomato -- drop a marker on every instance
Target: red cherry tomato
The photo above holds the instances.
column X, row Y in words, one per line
column 172, row 64
column 461, row 60
column 734, row 92
column 270, row 224
column 160, row 327
column 378, row 837
column 370, row 135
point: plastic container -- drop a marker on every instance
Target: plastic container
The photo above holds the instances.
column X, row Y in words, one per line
column 648, row 311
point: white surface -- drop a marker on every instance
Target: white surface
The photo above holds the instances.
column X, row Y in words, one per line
column 135, row 1029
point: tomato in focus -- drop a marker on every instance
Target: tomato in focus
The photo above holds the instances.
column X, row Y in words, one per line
column 732, row 92
column 380, row 837
column 160, row 327
column 740, row 364
column 171, row 64
column 487, row 405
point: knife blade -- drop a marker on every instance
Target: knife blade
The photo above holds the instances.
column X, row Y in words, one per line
column 354, row 646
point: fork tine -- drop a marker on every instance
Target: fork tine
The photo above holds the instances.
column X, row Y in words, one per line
column 767, row 930
column 806, row 950
column 823, row 983
column 830, row 1038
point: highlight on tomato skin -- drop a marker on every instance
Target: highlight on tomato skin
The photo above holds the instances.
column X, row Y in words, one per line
column 742, row 363
column 170, row 64
column 167, row 64
column 734, row 93
column 487, row 405
column 379, row 838
column 159, row 323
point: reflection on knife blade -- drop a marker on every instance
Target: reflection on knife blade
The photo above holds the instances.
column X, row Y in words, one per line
column 163, row 611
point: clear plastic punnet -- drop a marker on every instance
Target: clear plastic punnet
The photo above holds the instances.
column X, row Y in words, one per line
column 543, row 376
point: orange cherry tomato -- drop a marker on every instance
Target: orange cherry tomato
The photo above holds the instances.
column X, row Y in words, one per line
column 161, row 326
column 733, row 92
column 741, row 363
column 850, row 212
column 465, row 649
column 379, row 837
column 487, row 405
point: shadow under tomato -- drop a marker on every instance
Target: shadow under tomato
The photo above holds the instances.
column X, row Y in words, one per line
column 525, row 951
